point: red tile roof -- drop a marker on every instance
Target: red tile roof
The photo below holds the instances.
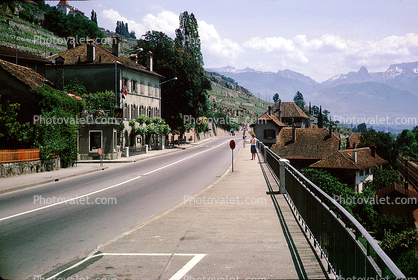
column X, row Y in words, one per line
column 24, row 74
column 288, row 110
column 396, row 188
column 310, row 143
column 354, row 139
column 272, row 118
column 343, row 159
column 11, row 53
column 103, row 55
column 63, row 3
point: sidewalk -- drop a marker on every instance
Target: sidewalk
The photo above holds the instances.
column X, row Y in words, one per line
column 231, row 230
column 20, row 182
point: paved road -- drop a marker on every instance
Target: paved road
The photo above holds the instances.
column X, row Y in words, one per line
column 38, row 237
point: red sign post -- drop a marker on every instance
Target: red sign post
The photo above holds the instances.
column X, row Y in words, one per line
column 232, row 146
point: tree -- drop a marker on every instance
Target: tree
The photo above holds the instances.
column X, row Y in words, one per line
column 276, row 98
column 407, row 143
column 385, row 144
column 320, row 120
column 315, row 111
column 298, row 99
column 93, row 17
column 187, row 96
column 362, row 127
column 188, row 36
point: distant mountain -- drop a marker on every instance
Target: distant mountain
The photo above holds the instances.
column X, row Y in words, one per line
column 391, row 94
column 286, row 82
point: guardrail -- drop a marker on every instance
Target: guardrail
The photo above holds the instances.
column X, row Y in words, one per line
column 334, row 230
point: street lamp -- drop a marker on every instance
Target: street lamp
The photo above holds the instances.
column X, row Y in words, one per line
column 172, row 79
column 116, row 72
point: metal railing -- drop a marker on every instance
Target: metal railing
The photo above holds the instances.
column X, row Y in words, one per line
column 334, row 230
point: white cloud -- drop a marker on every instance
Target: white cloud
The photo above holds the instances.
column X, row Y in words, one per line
column 217, row 51
column 165, row 21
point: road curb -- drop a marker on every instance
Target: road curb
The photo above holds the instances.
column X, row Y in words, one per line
column 25, row 186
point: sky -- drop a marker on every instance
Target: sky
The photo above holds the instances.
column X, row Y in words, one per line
column 319, row 39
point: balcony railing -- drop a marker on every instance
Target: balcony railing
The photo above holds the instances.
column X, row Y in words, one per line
column 334, row 230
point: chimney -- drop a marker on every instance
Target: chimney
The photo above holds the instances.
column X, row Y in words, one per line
column 280, row 110
column 59, row 72
column 269, row 111
column 134, row 57
column 330, row 131
column 70, row 43
column 116, row 45
column 91, row 51
column 293, row 133
column 149, row 61
column 373, row 150
column 355, row 155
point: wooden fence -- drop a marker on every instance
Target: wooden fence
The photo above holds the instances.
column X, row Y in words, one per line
column 21, row 155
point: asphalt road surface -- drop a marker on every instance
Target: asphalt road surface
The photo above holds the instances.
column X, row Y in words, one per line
column 48, row 226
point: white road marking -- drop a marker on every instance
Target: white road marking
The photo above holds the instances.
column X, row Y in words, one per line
column 68, row 200
column 171, row 164
column 179, row 274
column 107, row 188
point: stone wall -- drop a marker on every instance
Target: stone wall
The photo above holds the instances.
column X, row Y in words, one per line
column 18, row 168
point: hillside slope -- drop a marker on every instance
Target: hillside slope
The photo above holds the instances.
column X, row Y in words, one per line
column 234, row 100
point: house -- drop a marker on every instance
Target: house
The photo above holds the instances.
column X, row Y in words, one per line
column 305, row 146
column 138, row 87
column 64, row 7
column 290, row 114
column 279, row 115
column 351, row 166
column 16, row 82
column 267, row 128
column 35, row 62
column 398, row 201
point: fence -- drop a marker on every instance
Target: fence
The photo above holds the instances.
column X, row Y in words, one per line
column 334, row 230
column 21, row 155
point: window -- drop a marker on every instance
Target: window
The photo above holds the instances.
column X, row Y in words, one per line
column 133, row 86
column 269, row 134
column 95, row 140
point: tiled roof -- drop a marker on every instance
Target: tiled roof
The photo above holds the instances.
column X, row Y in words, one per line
column 344, row 160
column 103, row 55
column 354, row 138
column 268, row 117
column 63, row 3
column 396, row 188
column 24, row 74
column 10, row 52
column 288, row 110
column 310, row 143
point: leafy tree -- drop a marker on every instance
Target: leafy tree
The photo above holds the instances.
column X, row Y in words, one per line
column 382, row 178
column 59, row 135
column 407, row 143
column 385, row 144
column 298, row 99
column 147, row 127
column 187, row 35
column 362, row 127
column 315, row 111
column 11, row 131
column 187, row 96
column 276, row 98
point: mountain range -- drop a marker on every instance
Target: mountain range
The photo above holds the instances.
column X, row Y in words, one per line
column 351, row 98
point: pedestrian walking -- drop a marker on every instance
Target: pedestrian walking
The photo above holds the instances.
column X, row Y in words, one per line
column 253, row 142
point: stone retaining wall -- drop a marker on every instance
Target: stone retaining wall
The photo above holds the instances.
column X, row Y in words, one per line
column 18, row 168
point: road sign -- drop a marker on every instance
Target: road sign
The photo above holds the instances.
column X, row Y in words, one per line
column 100, row 151
column 244, row 127
column 232, row 144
